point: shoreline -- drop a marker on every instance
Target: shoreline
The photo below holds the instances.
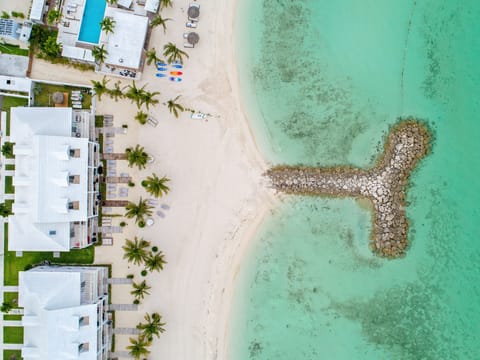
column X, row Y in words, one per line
column 219, row 195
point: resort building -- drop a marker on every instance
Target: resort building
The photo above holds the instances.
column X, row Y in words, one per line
column 55, row 178
column 65, row 313
column 38, row 10
column 14, row 32
column 79, row 32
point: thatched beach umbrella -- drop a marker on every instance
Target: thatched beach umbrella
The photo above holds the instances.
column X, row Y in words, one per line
column 193, row 38
column 193, row 12
column 57, row 97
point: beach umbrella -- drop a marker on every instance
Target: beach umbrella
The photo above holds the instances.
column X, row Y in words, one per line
column 193, row 12
column 193, row 38
column 57, row 97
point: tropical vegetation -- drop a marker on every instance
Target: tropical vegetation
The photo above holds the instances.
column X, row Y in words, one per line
column 151, row 56
column 166, row 3
column 99, row 53
column 140, row 290
column 156, row 186
column 138, row 348
column 138, row 211
column 107, row 24
column 155, row 261
column 141, row 117
column 137, row 157
column 173, row 54
column 116, row 91
column 135, row 250
column 5, row 210
column 100, row 87
column 7, row 150
column 160, row 21
column 175, row 107
column 53, row 16
column 148, row 98
column 153, row 325
column 135, row 94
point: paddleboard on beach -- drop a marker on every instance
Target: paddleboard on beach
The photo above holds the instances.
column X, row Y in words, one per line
column 160, row 75
column 159, row 68
column 173, row 78
column 176, row 73
column 161, row 64
column 177, row 65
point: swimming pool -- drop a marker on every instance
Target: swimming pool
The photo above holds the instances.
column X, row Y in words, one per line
column 93, row 14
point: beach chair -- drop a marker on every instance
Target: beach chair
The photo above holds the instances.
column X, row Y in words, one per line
column 188, row 45
column 152, row 121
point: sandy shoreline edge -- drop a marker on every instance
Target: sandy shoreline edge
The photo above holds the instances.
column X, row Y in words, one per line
column 219, row 195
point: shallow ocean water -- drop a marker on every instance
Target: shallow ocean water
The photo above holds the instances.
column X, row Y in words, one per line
column 323, row 81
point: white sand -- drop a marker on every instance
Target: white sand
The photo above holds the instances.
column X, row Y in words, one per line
column 218, row 195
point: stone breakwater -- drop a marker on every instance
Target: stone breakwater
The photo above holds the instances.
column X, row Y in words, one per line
column 384, row 185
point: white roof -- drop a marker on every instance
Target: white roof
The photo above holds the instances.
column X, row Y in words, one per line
column 77, row 53
column 41, row 220
column 125, row 45
column 125, row 3
column 14, row 83
column 152, row 5
column 36, row 11
column 52, row 312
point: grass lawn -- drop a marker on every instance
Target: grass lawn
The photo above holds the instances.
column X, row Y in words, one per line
column 14, row 264
column 43, row 93
column 12, row 354
column 9, row 102
column 13, row 50
column 9, row 188
column 12, row 335
column 11, row 297
column 9, row 167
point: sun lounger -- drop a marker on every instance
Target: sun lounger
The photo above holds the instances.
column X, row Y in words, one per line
column 188, row 45
column 152, row 202
column 152, row 121
column 165, row 207
column 76, row 106
column 198, row 116
column 192, row 25
column 160, row 214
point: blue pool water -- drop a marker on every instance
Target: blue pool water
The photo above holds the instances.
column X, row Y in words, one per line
column 93, row 14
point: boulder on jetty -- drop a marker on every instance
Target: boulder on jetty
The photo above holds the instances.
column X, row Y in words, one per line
column 384, row 185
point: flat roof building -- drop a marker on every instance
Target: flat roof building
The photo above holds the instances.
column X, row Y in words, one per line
column 65, row 313
column 56, row 188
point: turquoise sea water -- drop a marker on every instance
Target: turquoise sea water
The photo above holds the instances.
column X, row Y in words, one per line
column 92, row 16
column 323, row 81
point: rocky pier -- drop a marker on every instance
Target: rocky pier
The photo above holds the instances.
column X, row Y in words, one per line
column 384, row 185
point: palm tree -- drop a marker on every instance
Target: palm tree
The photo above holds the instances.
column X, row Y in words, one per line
column 165, row 3
column 156, row 186
column 137, row 156
column 135, row 94
column 138, row 347
column 138, row 211
column 175, row 107
column 148, row 99
column 158, row 20
column 99, row 53
column 152, row 326
column 53, row 16
column 116, row 92
column 100, row 87
column 107, row 24
column 151, row 56
column 155, row 262
column 136, row 250
column 140, row 290
column 141, row 117
column 5, row 210
column 172, row 53
column 6, row 307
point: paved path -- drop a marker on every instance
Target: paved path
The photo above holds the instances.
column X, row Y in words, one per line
column 120, row 354
column 12, row 323
column 126, row 331
column 123, row 307
column 10, row 289
column 12, row 346
column 120, row 281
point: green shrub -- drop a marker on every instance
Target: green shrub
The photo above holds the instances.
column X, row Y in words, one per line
column 130, row 276
column 154, row 248
column 136, row 302
column 123, row 224
column 131, row 183
column 5, row 15
column 7, row 150
column 141, row 224
column 144, row 273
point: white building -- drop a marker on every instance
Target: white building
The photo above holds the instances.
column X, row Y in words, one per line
column 65, row 313
column 37, row 10
column 56, row 183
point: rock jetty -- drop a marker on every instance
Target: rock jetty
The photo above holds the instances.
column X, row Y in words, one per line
column 384, row 184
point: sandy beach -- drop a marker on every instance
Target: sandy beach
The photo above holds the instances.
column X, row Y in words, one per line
column 218, row 194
